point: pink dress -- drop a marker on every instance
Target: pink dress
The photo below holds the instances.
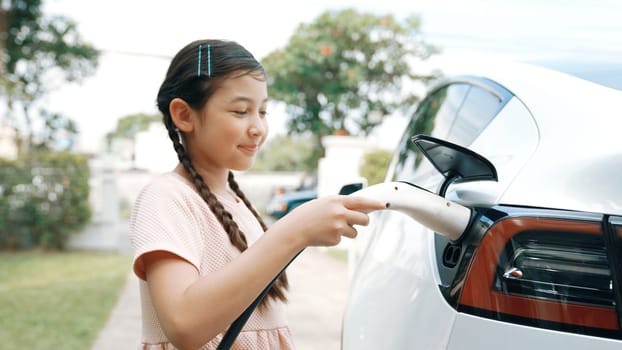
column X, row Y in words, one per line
column 170, row 215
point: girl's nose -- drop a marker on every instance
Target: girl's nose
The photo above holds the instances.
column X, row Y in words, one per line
column 257, row 128
column 255, row 131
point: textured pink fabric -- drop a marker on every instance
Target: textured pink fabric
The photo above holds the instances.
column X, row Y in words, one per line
column 170, row 215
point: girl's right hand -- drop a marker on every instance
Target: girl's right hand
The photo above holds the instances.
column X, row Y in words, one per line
column 323, row 221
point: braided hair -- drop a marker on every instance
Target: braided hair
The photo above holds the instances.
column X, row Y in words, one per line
column 194, row 79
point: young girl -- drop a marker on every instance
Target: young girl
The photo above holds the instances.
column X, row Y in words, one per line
column 201, row 252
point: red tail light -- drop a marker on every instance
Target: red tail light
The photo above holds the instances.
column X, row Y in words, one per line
column 547, row 272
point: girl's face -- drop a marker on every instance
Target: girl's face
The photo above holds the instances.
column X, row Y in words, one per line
column 231, row 127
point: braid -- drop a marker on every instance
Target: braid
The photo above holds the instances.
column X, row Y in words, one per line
column 236, row 188
column 282, row 282
column 236, row 236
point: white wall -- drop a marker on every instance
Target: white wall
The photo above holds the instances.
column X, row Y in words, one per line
column 341, row 163
column 153, row 150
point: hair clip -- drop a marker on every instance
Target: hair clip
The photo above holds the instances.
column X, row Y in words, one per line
column 209, row 61
column 199, row 63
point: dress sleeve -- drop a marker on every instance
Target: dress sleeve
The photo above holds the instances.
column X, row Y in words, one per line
column 162, row 220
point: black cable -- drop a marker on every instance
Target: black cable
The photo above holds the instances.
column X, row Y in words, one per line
column 238, row 324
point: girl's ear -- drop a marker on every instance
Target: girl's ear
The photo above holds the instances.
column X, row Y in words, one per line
column 181, row 114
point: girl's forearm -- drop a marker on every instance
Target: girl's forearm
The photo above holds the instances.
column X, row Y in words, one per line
column 214, row 301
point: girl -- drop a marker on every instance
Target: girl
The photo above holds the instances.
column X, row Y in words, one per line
column 201, row 253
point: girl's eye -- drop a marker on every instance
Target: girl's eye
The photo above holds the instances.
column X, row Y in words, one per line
column 240, row 112
column 263, row 113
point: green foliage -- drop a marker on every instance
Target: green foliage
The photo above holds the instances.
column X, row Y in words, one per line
column 38, row 53
column 44, row 198
column 59, row 132
column 374, row 166
column 346, row 70
column 57, row 300
column 128, row 126
column 283, row 153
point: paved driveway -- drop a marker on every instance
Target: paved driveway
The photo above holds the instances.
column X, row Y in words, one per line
column 318, row 291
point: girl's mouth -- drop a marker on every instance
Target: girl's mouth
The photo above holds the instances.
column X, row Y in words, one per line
column 250, row 149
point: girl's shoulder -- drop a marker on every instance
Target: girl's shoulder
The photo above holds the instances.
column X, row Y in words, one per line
column 169, row 183
column 169, row 187
column 170, row 199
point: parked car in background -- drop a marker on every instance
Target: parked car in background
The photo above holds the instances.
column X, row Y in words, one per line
column 285, row 200
column 540, row 265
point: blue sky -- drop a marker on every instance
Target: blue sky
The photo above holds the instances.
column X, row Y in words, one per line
column 127, row 83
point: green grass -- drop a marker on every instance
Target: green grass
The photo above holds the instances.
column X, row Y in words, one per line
column 57, row 300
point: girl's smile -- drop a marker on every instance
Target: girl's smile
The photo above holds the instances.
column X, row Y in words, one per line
column 249, row 149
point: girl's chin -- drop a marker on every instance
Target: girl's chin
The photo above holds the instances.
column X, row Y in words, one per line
column 243, row 166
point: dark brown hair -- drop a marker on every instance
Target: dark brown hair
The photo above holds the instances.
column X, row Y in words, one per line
column 195, row 83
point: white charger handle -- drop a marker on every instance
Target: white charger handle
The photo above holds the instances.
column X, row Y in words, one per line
column 445, row 217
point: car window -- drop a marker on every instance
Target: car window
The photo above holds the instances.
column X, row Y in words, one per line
column 478, row 109
column 434, row 116
column 458, row 113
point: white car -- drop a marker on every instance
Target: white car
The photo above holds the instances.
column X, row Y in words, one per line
column 536, row 156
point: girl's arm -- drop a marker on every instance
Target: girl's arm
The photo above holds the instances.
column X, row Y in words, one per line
column 192, row 309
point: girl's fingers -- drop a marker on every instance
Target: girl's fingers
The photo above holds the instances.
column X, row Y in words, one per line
column 363, row 204
column 357, row 218
column 349, row 232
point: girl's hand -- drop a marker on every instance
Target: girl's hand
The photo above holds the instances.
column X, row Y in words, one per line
column 323, row 221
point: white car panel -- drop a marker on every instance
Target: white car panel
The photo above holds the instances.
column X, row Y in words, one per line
column 467, row 334
column 395, row 289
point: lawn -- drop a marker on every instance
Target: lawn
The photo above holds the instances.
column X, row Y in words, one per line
column 57, row 300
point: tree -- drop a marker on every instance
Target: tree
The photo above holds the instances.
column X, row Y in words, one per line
column 346, row 71
column 128, row 126
column 283, row 153
column 38, row 53
column 375, row 165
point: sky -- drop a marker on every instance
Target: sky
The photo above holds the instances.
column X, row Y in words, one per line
column 138, row 37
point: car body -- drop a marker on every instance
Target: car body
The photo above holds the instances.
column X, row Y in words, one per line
column 540, row 265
